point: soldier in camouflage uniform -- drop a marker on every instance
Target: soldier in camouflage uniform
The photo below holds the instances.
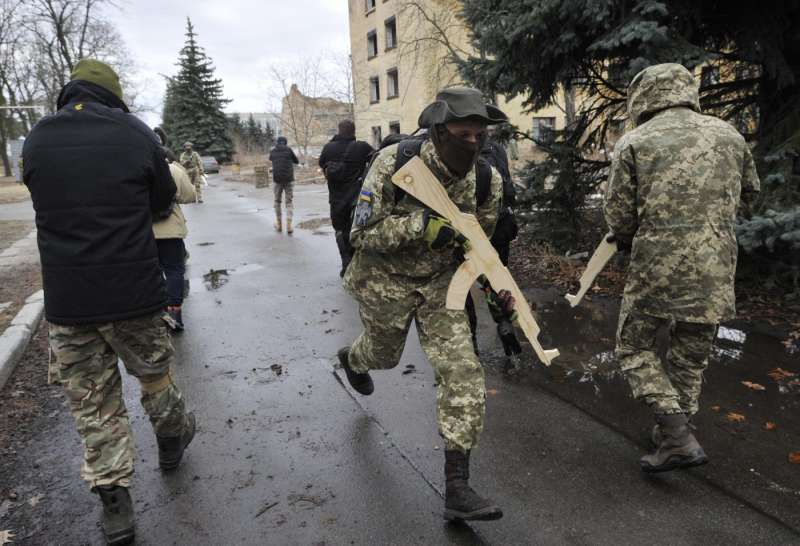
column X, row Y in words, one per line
column 405, row 257
column 103, row 287
column 190, row 160
column 675, row 185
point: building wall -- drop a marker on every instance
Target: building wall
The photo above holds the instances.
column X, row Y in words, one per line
column 421, row 67
column 316, row 119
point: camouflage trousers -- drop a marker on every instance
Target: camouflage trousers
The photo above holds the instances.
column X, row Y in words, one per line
column 86, row 365
column 672, row 386
column 286, row 190
column 386, row 306
column 197, row 182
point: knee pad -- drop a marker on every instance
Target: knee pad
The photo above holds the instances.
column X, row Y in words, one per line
column 156, row 384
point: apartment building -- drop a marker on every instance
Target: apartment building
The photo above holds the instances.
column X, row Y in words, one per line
column 399, row 65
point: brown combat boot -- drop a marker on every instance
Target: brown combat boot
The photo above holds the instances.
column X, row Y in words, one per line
column 461, row 502
column 117, row 514
column 289, row 228
column 171, row 448
column 678, row 448
column 277, row 224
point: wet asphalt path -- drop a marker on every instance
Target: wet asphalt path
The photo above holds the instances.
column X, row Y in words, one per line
column 286, row 455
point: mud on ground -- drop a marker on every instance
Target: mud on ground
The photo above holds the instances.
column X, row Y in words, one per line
column 12, row 191
column 16, row 284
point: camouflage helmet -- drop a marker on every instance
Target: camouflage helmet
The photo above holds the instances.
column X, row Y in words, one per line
column 188, row 144
column 659, row 87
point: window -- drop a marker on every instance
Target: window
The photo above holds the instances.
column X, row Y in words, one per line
column 374, row 90
column 372, row 44
column 392, row 84
column 390, row 26
column 377, row 137
column 394, row 127
column 709, row 75
column 543, row 129
column 369, row 5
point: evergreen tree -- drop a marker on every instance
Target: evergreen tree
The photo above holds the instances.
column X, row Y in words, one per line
column 194, row 101
column 538, row 48
column 269, row 137
column 255, row 137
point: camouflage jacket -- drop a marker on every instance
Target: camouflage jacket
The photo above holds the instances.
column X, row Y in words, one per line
column 387, row 232
column 675, row 184
column 191, row 161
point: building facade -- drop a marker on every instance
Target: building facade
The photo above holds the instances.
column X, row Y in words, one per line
column 400, row 61
column 308, row 123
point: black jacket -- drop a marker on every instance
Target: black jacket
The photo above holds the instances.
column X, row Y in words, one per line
column 343, row 160
column 283, row 161
column 96, row 176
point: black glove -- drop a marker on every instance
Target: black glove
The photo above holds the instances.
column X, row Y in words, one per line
column 624, row 243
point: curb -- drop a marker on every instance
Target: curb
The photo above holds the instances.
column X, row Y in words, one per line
column 14, row 340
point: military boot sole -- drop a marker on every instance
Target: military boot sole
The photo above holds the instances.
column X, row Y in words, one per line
column 171, row 462
column 119, row 538
column 489, row 513
column 675, row 462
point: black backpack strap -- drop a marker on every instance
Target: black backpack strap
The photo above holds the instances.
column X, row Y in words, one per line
column 483, row 182
column 406, row 149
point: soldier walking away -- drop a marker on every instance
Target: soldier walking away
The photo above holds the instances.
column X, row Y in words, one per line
column 103, row 288
column 675, row 184
column 283, row 162
column 170, row 231
column 405, row 257
column 344, row 160
column 190, row 160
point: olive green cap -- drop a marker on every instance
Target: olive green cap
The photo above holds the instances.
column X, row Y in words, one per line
column 458, row 103
column 98, row 73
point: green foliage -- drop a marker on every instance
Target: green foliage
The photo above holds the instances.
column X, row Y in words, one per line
column 194, row 101
column 536, row 49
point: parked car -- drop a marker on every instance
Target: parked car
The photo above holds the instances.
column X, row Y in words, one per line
column 210, row 164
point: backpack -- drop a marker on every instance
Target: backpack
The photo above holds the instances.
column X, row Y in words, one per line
column 336, row 170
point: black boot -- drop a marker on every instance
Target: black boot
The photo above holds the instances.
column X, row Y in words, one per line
column 678, row 448
column 361, row 382
column 461, row 502
column 176, row 319
column 117, row 514
column 170, row 448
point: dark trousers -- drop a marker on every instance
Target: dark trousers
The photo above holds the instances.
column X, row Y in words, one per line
column 171, row 256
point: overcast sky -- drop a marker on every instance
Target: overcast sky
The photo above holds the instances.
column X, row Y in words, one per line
column 243, row 38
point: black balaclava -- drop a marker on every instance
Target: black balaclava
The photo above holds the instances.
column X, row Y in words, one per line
column 457, row 154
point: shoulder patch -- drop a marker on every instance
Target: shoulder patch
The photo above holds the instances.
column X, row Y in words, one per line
column 363, row 208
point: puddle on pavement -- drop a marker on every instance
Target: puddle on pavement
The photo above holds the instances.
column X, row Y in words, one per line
column 207, row 243
column 315, row 224
column 217, row 278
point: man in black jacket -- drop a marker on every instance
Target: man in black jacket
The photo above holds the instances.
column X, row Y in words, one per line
column 343, row 160
column 97, row 176
column 283, row 162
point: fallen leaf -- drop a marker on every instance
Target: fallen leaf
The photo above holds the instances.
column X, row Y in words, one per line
column 36, row 499
column 492, row 392
column 769, row 425
column 735, row 417
column 715, row 408
column 6, row 537
column 754, row 386
column 779, row 373
column 794, row 457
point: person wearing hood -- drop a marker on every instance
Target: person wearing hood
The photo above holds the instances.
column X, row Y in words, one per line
column 170, row 231
column 344, row 160
column 103, row 288
column 676, row 182
column 405, row 257
column 190, row 160
column 283, row 162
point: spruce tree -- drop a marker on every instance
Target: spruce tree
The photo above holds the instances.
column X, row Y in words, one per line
column 255, row 137
column 194, row 101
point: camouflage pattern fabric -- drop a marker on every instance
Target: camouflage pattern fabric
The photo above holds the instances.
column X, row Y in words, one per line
column 674, row 386
column 284, row 189
column 194, row 167
column 86, row 365
column 675, row 184
column 395, row 278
